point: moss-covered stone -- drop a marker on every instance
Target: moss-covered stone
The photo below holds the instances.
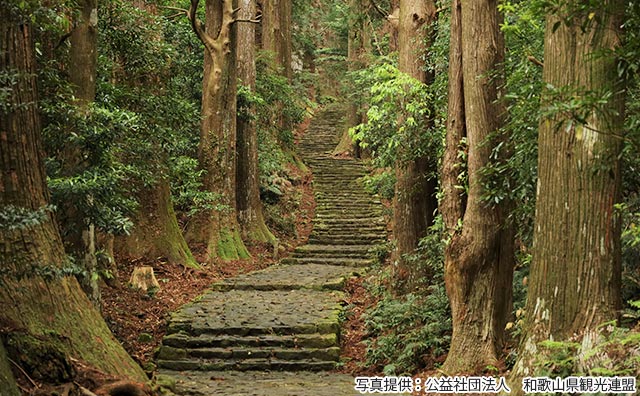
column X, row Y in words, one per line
column 145, row 338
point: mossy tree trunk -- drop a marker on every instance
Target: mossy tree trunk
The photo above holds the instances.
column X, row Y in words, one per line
column 156, row 232
column 479, row 258
column 575, row 271
column 7, row 381
column 250, row 217
column 37, row 294
column 414, row 200
column 78, row 231
column 218, row 230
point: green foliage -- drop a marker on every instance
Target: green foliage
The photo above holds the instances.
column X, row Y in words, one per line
column 16, row 218
column 143, row 126
column 629, row 66
column 397, row 116
column 561, row 358
column 616, row 352
column 382, row 184
column 278, row 108
column 409, row 331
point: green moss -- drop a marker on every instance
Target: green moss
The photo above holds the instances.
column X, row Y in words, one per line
column 170, row 353
column 262, row 233
column 176, row 242
column 7, row 382
column 231, row 246
column 145, row 338
column 60, row 310
column 42, row 357
column 165, row 385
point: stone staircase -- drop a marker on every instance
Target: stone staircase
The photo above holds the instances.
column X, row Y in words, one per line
column 286, row 317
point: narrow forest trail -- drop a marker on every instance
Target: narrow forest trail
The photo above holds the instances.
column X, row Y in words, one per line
column 276, row 331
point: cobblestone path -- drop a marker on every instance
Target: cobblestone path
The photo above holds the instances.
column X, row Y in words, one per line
column 276, row 331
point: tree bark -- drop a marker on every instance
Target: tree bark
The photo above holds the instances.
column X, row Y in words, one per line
column 479, row 258
column 358, row 50
column 7, row 380
column 218, row 230
column 156, row 232
column 250, row 215
column 36, row 296
column 414, row 200
column 276, row 32
column 575, row 271
column 78, row 231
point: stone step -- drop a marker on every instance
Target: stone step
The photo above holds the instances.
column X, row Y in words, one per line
column 316, row 340
column 354, row 255
column 240, row 353
column 291, row 277
column 350, row 228
column 352, row 213
column 261, row 383
column 340, row 261
column 257, row 312
column 327, row 240
column 336, row 221
column 246, row 365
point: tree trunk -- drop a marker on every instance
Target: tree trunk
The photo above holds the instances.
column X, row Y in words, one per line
column 276, row 32
column 479, row 258
column 156, row 232
column 7, row 381
column 358, row 50
column 218, row 230
column 414, row 201
column 37, row 296
column 286, row 43
column 391, row 27
column 575, row 271
column 78, row 231
column 83, row 52
column 250, row 215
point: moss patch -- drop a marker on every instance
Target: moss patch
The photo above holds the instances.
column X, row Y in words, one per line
column 42, row 357
column 231, row 246
column 7, row 382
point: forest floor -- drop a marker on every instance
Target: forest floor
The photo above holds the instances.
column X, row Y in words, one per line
column 139, row 321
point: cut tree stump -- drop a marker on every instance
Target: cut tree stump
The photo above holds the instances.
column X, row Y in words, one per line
column 144, row 279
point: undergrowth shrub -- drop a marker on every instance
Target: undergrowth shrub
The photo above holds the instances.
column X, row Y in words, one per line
column 412, row 331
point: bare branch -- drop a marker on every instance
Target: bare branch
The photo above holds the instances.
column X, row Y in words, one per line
column 198, row 27
column 182, row 10
column 255, row 19
column 535, row 61
column 380, row 11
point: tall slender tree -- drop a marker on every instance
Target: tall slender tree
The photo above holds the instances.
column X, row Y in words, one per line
column 218, row 229
column 575, row 270
column 479, row 258
column 414, row 201
column 250, row 214
column 78, row 231
column 358, row 52
column 37, row 295
column 276, row 32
